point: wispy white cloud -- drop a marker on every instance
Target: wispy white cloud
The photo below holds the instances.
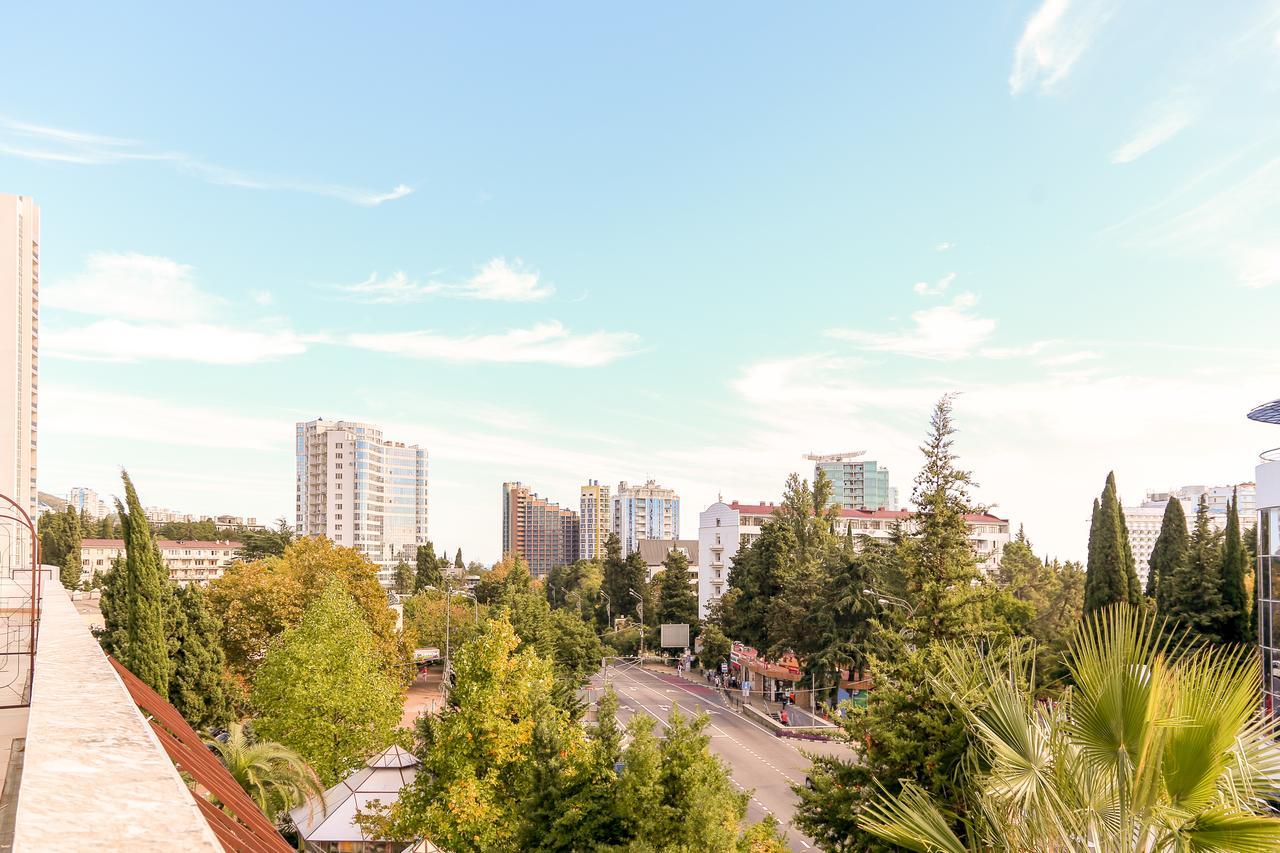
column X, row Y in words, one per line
column 209, row 343
column 946, row 332
column 59, row 145
column 1001, row 353
column 147, row 307
column 496, row 281
column 1071, row 358
column 1232, row 220
column 923, row 288
column 1166, row 122
column 543, row 343
column 262, row 298
column 1055, row 37
column 132, row 286
column 944, row 247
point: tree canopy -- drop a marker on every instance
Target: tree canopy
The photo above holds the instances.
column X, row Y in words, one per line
column 324, row 691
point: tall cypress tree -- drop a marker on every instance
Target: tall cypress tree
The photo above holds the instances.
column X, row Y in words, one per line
column 1169, row 556
column 198, row 689
column 146, row 653
column 457, row 562
column 1235, row 559
column 1111, row 575
column 1197, row 595
column 428, row 568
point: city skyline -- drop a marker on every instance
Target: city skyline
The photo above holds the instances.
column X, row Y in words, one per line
column 694, row 272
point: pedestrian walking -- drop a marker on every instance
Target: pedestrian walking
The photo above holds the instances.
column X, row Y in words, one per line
column 782, row 716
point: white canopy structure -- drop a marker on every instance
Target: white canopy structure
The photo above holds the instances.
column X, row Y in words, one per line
column 331, row 827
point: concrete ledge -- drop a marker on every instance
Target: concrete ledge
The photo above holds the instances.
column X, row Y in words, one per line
column 95, row 777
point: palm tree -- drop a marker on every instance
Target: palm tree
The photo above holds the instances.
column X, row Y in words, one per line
column 274, row 776
column 1159, row 746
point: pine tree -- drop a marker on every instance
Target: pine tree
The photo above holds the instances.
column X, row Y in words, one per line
column 677, row 601
column 198, row 688
column 146, row 653
column 1168, row 556
column 1235, row 564
column 460, row 566
column 404, row 578
column 938, row 563
column 1111, row 575
column 70, row 573
column 1196, row 600
column 428, row 568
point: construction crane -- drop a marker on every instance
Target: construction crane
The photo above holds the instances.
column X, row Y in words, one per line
column 834, row 457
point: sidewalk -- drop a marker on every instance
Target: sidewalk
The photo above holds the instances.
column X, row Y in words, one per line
column 797, row 716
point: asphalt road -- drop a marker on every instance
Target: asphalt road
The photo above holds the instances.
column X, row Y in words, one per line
column 759, row 762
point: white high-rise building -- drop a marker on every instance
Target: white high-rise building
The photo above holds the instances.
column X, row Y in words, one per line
column 361, row 490
column 1144, row 520
column 87, row 502
column 645, row 512
column 19, row 361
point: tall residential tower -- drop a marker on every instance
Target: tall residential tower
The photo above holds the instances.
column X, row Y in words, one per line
column 545, row 534
column 856, row 483
column 645, row 512
column 19, row 349
column 596, row 515
column 361, row 490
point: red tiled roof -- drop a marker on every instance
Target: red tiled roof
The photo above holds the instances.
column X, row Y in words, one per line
column 892, row 514
column 163, row 543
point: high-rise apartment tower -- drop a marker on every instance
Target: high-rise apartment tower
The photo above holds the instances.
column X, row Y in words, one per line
column 361, row 490
column 596, row 514
column 19, row 358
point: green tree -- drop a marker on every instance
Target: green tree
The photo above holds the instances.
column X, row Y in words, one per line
column 1196, row 599
column 424, row 619
column 256, row 601
column 256, row 544
column 1169, row 555
column 1054, row 592
column 1234, row 627
column 908, row 732
column 476, row 774
column 1156, row 748
column 274, row 776
column 145, row 650
column 323, row 691
column 71, row 561
column 198, row 687
column 404, row 578
column 620, row 576
column 715, row 646
column 458, row 565
column 428, row 567
column 755, row 583
column 677, row 600
column 1111, row 575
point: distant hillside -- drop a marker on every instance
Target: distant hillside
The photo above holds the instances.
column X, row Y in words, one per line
column 59, row 504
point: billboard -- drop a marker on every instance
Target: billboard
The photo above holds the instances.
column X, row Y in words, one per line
column 675, row 636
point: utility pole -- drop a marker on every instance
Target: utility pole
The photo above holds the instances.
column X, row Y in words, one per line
column 608, row 609
column 640, row 612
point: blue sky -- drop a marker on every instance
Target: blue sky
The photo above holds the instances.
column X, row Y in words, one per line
column 692, row 243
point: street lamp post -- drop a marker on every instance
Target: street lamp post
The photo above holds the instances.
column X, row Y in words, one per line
column 576, row 596
column 885, row 599
column 608, row 609
column 640, row 611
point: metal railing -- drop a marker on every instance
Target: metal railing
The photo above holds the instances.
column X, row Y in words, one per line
column 1272, row 455
column 20, row 583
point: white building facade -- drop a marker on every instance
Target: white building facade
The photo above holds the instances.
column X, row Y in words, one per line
column 1143, row 521
column 86, row 502
column 188, row 562
column 647, row 511
column 361, row 490
column 19, row 363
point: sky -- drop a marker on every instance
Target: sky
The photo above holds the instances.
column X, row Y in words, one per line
column 691, row 242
